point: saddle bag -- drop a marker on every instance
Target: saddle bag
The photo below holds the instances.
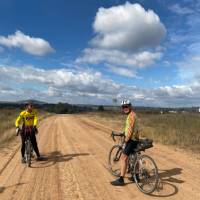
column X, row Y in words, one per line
column 144, row 144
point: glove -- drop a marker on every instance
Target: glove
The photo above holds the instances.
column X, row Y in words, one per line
column 17, row 131
column 35, row 130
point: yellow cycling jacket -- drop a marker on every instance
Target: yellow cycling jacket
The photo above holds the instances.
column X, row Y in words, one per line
column 131, row 126
column 27, row 118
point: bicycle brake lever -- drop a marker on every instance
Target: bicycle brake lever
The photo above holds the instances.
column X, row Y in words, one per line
column 113, row 137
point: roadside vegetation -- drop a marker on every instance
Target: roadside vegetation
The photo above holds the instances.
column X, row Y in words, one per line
column 9, row 112
column 179, row 129
column 7, row 123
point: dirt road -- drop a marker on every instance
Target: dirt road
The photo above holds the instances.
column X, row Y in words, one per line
column 75, row 150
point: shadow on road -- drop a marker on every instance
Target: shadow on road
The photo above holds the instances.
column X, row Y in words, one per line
column 167, row 175
column 54, row 157
column 166, row 186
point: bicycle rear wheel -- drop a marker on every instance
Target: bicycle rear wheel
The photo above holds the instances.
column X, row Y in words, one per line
column 147, row 172
column 114, row 160
column 28, row 153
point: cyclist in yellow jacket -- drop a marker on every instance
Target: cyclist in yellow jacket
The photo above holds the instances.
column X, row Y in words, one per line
column 131, row 139
column 28, row 121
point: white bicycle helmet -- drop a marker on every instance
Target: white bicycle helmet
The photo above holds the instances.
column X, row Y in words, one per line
column 126, row 102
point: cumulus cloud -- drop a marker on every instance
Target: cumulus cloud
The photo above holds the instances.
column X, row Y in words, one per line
column 82, row 81
column 31, row 45
column 127, row 27
column 88, row 86
column 6, row 90
column 53, row 92
column 116, row 57
column 121, row 71
column 175, row 91
column 127, row 36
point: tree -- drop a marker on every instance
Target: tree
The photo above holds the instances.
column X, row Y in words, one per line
column 100, row 108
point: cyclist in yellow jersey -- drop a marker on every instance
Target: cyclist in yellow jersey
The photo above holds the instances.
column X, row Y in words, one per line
column 131, row 139
column 28, row 121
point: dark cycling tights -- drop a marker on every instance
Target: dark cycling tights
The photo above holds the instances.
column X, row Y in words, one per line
column 33, row 141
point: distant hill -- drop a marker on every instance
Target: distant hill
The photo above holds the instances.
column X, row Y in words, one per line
column 68, row 108
column 33, row 101
column 60, row 108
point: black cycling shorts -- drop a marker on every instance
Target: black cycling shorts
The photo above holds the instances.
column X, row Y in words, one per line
column 130, row 147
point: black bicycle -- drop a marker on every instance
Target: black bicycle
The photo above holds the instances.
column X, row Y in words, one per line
column 142, row 167
column 28, row 145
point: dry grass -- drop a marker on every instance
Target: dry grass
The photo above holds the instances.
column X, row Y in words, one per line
column 182, row 130
column 7, row 124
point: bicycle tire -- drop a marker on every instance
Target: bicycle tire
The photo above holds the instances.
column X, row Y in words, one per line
column 119, row 150
column 155, row 171
column 28, row 153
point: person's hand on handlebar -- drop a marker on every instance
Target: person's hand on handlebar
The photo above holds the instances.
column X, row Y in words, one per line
column 17, row 130
column 35, row 129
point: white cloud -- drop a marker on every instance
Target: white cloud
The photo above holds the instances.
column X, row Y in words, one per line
column 73, row 81
column 196, row 58
column 31, row 45
column 127, row 27
column 88, row 86
column 127, row 36
column 116, row 57
column 175, row 91
column 179, row 38
column 53, row 92
column 6, row 90
column 122, row 71
column 177, row 8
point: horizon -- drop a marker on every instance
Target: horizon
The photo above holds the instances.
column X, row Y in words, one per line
column 92, row 52
column 105, row 105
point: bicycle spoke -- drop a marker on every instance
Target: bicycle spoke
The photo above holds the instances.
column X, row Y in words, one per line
column 148, row 175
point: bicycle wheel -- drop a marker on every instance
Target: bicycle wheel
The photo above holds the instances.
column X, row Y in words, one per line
column 114, row 160
column 28, row 153
column 147, row 170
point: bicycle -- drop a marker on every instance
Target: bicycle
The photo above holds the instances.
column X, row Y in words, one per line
column 28, row 145
column 141, row 166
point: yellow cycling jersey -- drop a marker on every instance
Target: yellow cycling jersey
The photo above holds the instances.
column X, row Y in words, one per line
column 131, row 126
column 27, row 118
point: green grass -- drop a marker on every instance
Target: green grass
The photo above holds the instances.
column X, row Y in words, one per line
column 180, row 129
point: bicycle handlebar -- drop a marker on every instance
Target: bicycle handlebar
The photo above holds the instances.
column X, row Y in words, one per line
column 114, row 134
column 27, row 130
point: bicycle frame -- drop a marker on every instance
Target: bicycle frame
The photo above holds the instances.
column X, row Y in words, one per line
column 136, row 166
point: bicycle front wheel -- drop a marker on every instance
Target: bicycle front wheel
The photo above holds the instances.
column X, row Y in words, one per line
column 28, row 153
column 114, row 160
column 146, row 174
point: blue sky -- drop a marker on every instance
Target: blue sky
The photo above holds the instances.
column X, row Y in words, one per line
column 93, row 51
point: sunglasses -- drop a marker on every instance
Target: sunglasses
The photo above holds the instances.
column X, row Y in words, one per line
column 123, row 107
